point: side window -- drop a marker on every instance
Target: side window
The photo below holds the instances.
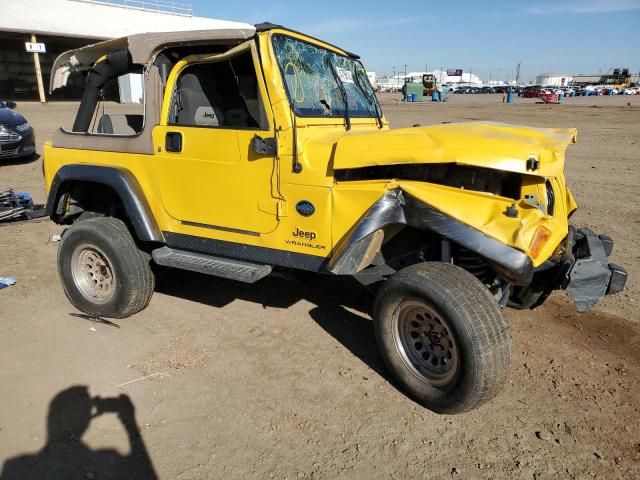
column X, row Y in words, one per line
column 221, row 94
column 120, row 110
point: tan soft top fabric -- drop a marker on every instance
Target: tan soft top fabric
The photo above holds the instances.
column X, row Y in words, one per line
column 142, row 46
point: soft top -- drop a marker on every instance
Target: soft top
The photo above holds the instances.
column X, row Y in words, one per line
column 142, row 46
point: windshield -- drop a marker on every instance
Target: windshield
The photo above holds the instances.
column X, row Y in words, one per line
column 314, row 77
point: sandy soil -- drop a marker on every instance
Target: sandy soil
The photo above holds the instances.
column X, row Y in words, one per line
column 282, row 379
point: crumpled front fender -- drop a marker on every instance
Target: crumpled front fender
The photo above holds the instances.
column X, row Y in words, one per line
column 398, row 207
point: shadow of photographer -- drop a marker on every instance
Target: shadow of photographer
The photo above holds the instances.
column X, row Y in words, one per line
column 66, row 456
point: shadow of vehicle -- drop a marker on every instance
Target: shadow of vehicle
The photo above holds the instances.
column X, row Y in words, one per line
column 342, row 305
column 19, row 160
column 65, row 456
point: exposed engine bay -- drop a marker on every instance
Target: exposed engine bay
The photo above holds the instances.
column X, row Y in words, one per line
column 505, row 184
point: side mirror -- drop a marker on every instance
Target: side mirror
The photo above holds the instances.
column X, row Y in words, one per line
column 11, row 105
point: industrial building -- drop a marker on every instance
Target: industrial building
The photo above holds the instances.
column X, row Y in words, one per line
column 397, row 81
column 66, row 24
column 553, row 79
column 615, row 77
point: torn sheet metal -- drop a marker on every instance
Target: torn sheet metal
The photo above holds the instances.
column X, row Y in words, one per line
column 398, row 207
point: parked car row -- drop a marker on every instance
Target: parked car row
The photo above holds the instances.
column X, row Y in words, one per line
column 534, row 91
column 482, row 89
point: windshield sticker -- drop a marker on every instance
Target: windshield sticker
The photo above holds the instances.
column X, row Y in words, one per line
column 345, row 75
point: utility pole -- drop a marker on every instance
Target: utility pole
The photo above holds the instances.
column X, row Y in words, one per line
column 405, row 72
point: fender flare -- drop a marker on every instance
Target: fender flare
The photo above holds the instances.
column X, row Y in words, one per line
column 398, row 207
column 123, row 183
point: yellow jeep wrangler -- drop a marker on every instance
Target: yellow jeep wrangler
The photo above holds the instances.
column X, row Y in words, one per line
column 261, row 148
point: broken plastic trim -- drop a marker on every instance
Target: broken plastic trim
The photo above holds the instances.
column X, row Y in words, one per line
column 590, row 275
column 398, row 207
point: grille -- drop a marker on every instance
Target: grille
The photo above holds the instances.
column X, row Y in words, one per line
column 9, row 153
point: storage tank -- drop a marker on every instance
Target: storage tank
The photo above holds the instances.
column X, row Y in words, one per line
column 552, row 79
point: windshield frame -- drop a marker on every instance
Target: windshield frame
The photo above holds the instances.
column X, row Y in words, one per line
column 375, row 114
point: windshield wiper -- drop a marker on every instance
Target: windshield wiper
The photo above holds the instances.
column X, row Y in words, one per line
column 343, row 92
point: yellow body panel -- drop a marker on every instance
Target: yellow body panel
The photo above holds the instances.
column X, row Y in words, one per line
column 217, row 181
column 481, row 144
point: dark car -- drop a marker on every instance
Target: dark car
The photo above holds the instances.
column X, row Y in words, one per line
column 16, row 134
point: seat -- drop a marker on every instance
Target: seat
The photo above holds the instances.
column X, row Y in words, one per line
column 236, row 114
column 195, row 105
column 120, row 124
column 248, row 88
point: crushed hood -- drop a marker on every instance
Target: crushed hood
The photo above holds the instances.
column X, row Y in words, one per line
column 492, row 145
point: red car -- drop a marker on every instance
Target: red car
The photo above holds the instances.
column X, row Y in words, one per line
column 531, row 92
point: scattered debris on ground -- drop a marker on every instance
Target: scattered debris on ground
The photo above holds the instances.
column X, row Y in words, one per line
column 6, row 282
column 18, row 206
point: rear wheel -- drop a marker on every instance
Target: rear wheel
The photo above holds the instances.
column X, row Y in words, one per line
column 443, row 336
column 102, row 270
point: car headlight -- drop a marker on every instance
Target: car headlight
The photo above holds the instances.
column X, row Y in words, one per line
column 24, row 127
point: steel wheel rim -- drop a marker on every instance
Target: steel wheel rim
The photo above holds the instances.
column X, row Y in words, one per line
column 93, row 274
column 425, row 342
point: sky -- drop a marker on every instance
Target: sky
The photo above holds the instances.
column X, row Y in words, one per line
column 483, row 36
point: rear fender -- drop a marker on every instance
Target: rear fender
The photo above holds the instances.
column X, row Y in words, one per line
column 122, row 182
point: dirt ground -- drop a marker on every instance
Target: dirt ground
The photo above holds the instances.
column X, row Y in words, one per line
column 282, row 379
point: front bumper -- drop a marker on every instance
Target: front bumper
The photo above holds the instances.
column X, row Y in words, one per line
column 583, row 270
column 21, row 147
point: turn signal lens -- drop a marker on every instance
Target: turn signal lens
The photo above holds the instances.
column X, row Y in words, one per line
column 539, row 239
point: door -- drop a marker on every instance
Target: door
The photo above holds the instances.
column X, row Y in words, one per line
column 209, row 175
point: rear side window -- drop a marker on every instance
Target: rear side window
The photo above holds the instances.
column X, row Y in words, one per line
column 120, row 110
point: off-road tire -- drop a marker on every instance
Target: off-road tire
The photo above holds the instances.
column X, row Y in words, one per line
column 481, row 339
column 105, row 240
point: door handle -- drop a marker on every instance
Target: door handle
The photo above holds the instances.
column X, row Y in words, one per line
column 173, row 142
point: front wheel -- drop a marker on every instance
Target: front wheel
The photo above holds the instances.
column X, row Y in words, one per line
column 443, row 336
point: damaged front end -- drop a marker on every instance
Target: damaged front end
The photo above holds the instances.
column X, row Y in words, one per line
column 506, row 221
column 581, row 265
column 582, row 269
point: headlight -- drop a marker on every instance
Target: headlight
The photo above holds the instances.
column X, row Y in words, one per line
column 24, row 127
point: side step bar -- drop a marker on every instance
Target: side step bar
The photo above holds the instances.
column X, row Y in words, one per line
column 217, row 266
